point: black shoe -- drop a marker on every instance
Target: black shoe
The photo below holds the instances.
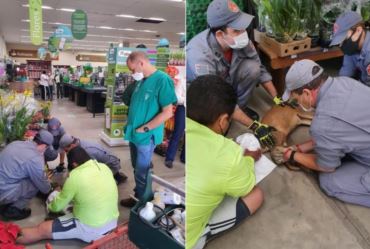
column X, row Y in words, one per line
column 251, row 113
column 120, row 178
column 169, row 164
column 128, row 202
column 13, row 213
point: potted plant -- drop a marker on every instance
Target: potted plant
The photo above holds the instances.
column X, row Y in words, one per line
column 313, row 26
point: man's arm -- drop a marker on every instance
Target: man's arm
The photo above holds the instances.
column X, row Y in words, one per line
column 64, row 197
column 166, row 114
column 270, row 88
column 241, row 117
column 309, row 161
column 38, row 176
column 348, row 68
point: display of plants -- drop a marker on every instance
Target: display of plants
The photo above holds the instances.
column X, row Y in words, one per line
column 285, row 20
column 16, row 112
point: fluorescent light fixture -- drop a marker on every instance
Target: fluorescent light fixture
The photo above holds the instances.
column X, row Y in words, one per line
column 67, row 10
column 123, row 37
column 128, row 29
column 45, row 7
column 59, row 23
column 148, row 31
column 128, row 16
column 179, row 1
column 25, row 20
column 181, row 33
column 104, row 27
column 156, row 19
column 27, row 30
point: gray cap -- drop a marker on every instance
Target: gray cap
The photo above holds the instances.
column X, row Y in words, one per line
column 344, row 23
column 53, row 126
column 227, row 13
column 300, row 73
column 45, row 137
column 65, row 141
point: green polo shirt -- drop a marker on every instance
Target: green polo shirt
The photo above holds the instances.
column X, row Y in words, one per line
column 215, row 168
column 148, row 99
column 94, row 193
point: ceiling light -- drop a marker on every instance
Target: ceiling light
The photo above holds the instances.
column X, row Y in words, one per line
column 148, row 31
column 25, row 20
column 104, row 27
column 156, row 19
column 128, row 16
column 181, row 33
column 43, row 7
column 67, row 10
column 179, row 1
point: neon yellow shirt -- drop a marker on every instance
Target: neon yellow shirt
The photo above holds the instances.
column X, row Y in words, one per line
column 215, row 168
column 94, row 193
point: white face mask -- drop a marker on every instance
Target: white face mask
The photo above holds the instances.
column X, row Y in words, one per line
column 310, row 109
column 240, row 41
column 138, row 76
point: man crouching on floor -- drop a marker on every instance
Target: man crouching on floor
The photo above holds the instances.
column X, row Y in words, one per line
column 93, row 191
column 220, row 179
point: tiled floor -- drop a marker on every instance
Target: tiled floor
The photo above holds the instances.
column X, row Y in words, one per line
column 80, row 123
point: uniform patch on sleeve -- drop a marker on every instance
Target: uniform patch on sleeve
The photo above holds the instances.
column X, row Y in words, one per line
column 201, row 69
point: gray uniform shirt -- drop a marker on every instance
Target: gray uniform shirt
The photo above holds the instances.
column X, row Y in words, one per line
column 205, row 56
column 358, row 63
column 99, row 153
column 18, row 161
column 341, row 125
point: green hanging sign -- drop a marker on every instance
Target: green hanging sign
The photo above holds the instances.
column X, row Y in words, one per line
column 35, row 15
column 79, row 24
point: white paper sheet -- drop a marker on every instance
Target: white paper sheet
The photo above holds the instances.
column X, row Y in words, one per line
column 263, row 168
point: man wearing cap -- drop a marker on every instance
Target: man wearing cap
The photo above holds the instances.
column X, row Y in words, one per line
column 354, row 40
column 56, row 129
column 340, row 131
column 225, row 50
column 22, row 175
column 95, row 151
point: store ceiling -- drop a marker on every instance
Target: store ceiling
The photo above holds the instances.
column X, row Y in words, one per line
column 104, row 24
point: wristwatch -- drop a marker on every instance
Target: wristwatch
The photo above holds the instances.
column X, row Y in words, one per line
column 146, row 129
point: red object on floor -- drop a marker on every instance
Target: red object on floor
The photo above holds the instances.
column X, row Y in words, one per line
column 8, row 236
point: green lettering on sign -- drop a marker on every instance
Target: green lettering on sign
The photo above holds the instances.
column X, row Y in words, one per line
column 35, row 15
column 79, row 24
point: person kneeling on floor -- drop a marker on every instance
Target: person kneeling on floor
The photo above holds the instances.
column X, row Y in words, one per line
column 95, row 204
column 229, row 194
column 97, row 152
column 340, row 131
column 22, row 175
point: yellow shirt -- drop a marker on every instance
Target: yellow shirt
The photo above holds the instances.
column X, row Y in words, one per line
column 215, row 168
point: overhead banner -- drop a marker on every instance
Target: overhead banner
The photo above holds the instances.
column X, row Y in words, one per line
column 35, row 15
column 79, row 24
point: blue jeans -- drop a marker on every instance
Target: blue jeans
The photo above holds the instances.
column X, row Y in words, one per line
column 177, row 134
column 141, row 157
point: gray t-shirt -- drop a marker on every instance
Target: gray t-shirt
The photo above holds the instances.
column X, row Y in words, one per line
column 341, row 125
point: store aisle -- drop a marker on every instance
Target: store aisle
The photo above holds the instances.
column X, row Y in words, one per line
column 78, row 122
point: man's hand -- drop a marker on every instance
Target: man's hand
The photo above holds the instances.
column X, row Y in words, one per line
column 263, row 133
column 140, row 129
column 60, row 168
column 256, row 155
column 281, row 154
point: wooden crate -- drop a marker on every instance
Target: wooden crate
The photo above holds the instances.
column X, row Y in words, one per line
column 285, row 49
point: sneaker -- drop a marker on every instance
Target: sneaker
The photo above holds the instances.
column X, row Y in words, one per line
column 13, row 213
column 128, row 202
column 120, row 178
column 169, row 164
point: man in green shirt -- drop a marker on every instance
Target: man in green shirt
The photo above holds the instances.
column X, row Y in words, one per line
column 220, row 179
column 95, row 203
column 150, row 106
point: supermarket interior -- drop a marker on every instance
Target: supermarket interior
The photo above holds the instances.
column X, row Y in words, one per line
column 66, row 83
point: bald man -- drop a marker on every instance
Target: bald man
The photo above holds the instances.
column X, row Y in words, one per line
column 151, row 105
